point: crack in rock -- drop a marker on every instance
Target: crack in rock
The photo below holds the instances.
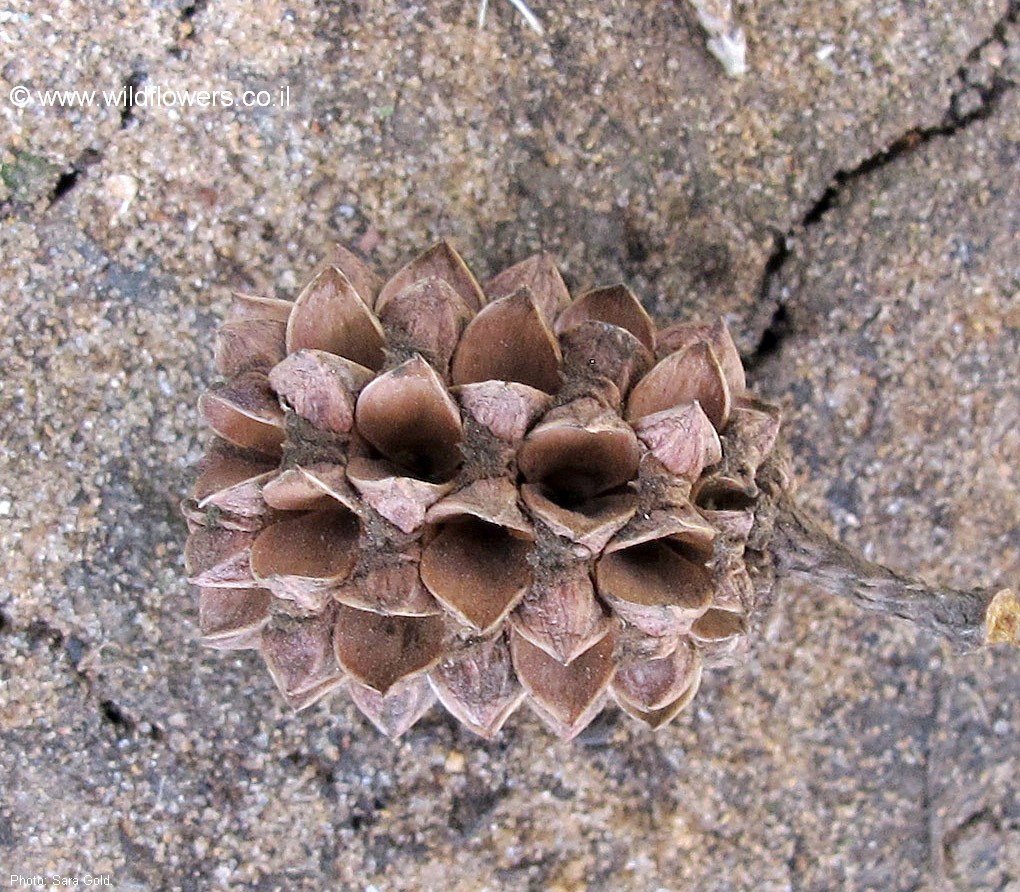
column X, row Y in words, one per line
column 990, row 70
column 129, row 88
column 73, row 175
column 186, row 26
column 74, row 649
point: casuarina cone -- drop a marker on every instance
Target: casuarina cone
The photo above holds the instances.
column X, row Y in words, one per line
column 422, row 489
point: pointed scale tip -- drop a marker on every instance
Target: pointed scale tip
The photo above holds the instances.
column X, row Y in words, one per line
column 303, row 558
column 427, row 316
column 317, row 487
column 402, row 500
column 681, row 335
column 691, row 374
column 541, row 277
column 299, row 656
column 478, row 571
column 507, row 408
column 249, row 344
column 216, row 558
column 572, row 694
column 682, row 438
column 233, row 483
column 658, row 718
column 321, row 387
column 379, row 651
column 245, row 412
column 599, row 350
column 492, row 499
column 441, row 261
column 654, row 587
column 364, row 279
column 478, row 687
column 653, row 684
column 408, row 415
column 233, row 618
column 509, row 341
column 329, row 315
column 245, row 307
column 561, row 615
column 616, row 305
column 395, row 712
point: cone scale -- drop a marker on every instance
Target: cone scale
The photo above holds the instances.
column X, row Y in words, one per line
column 434, row 494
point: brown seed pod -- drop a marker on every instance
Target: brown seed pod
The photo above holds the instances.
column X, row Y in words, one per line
column 421, row 490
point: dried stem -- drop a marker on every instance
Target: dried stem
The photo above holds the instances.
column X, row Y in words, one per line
column 966, row 619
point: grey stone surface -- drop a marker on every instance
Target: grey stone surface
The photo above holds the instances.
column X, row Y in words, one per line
column 849, row 752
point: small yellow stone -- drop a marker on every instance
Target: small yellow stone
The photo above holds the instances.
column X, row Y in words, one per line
column 1002, row 620
column 455, row 762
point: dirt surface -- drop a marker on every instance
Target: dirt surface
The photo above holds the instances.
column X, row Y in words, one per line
column 852, row 206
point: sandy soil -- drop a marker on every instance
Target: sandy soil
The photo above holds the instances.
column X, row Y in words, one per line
column 851, row 205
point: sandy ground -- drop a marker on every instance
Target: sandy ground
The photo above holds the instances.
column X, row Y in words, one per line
column 852, row 206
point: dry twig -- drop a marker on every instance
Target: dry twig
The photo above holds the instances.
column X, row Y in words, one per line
column 801, row 549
